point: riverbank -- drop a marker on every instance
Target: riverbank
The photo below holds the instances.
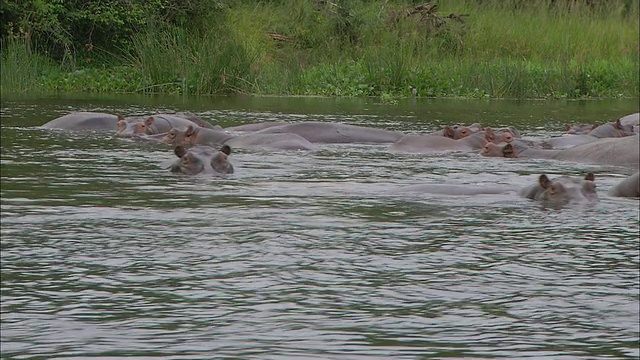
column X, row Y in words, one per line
column 465, row 49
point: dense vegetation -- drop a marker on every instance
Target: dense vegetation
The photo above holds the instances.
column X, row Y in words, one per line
column 459, row 48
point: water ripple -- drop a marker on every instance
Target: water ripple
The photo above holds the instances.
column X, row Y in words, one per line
column 302, row 254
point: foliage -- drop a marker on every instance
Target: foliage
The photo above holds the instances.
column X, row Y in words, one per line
column 78, row 32
column 389, row 49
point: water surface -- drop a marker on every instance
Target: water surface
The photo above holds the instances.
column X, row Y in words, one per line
column 105, row 254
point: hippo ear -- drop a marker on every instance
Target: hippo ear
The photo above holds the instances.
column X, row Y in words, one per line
column 590, row 176
column 508, row 151
column 149, row 121
column 544, row 181
column 226, row 149
column 489, row 135
column 179, row 151
column 448, row 131
column 120, row 118
column 618, row 125
column 596, row 125
column 189, row 131
column 567, row 127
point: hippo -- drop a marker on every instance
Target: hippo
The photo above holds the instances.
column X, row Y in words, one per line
column 202, row 160
column 568, row 141
column 612, row 151
column 517, row 149
column 256, row 126
column 200, row 136
column 433, row 143
column 155, row 124
column 631, row 119
column 192, row 135
column 612, row 129
column 279, row 141
column 83, row 121
column 578, row 134
column 629, row 187
column 457, row 131
column 562, row 190
column 579, row 129
column 335, row 133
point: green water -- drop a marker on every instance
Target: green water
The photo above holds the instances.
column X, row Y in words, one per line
column 301, row 255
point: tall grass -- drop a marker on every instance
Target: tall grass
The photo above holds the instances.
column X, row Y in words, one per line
column 174, row 60
column 502, row 49
column 22, row 69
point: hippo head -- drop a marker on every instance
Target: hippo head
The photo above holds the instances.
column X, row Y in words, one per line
column 624, row 129
column 122, row 127
column 499, row 150
column 133, row 126
column 143, row 127
column 190, row 163
column 220, row 163
column 564, row 190
column 456, row 132
column 190, row 135
column 174, row 137
column 496, row 137
column 202, row 160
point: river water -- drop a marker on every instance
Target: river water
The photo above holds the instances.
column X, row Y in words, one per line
column 307, row 255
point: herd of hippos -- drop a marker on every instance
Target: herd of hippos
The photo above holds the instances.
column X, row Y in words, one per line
column 204, row 148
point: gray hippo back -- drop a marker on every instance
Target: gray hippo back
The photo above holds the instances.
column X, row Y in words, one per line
column 335, row 133
column 84, row 121
column 629, row 187
column 611, row 151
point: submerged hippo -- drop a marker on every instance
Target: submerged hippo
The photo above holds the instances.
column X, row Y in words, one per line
column 629, row 187
column 202, row 160
column 200, row 136
column 433, row 143
column 279, row 141
column 517, row 149
column 612, row 151
column 84, row 121
column 156, row 124
column 457, row 132
column 256, row 126
column 562, row 190
column 576, row 134
column 192, row 135
column 335, row 133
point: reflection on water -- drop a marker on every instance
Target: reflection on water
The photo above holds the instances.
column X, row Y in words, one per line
column 306, row 254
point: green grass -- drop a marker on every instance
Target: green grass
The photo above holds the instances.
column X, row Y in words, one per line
column 504, row 49
column 22, row 69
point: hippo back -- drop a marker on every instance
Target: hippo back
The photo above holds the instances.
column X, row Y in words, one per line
column 84, row 121
column 611, row 151
column 278, row 141
column 629, row 187
column 335, row 133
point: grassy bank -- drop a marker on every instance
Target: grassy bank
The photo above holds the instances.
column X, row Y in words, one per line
column 495, row 49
